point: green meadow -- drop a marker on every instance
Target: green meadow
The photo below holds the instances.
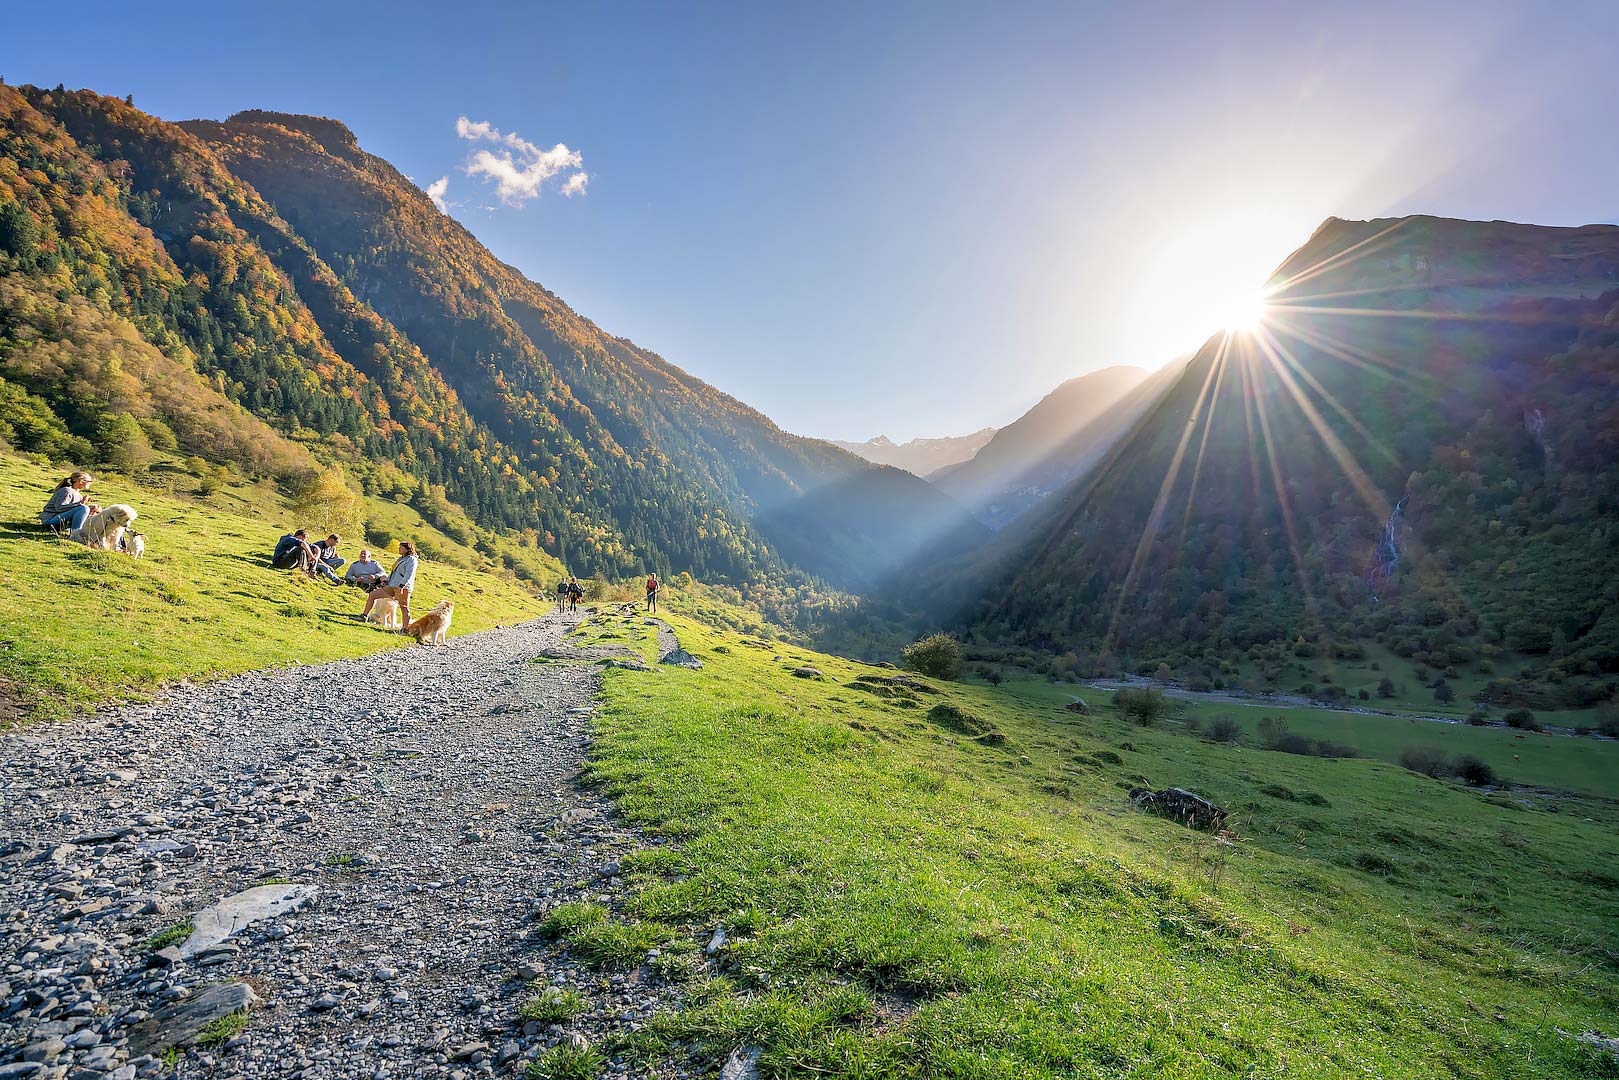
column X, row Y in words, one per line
column 1559, row 763
column 910, row 891
column 84, row 627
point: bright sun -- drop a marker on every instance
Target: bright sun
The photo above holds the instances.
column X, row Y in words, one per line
column 1245, row 313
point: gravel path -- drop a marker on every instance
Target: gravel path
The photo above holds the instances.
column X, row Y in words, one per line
column 427, row 794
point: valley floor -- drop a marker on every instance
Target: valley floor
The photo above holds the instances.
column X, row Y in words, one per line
column 792, row 862
column 426, row 794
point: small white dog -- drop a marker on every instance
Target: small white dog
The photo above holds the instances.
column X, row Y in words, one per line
column 385, row 613
column 134, row 544
column 103, row 531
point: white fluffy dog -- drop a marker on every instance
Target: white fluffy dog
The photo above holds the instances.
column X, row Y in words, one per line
column 103, row 531
column 134, row 544
column 385, row 613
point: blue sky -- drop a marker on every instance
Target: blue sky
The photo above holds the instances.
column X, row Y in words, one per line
column 911, row 219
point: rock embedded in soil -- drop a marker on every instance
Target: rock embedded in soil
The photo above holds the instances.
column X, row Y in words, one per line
column 237, row 912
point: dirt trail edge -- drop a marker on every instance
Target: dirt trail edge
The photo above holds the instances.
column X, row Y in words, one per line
column 401, row 819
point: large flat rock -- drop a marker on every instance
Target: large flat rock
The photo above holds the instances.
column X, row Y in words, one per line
column 237, row 912
column 180, row 1023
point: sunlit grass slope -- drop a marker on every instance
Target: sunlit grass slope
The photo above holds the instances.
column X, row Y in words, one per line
column 910, row 895
column 1557, row 762
column 79, row 627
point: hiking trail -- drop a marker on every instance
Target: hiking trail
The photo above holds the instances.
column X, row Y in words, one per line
column 409, row 816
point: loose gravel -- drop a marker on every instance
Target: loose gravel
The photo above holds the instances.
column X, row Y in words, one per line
column 428, row 795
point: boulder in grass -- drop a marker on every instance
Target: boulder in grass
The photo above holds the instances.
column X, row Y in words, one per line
column 1178, row 804
column 1078, row 706
column 807, row 672
column 681, row 658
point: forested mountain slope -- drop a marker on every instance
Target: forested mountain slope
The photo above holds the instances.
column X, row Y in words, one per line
column 1419, row 449
column 313, row 298
column 1062, row 436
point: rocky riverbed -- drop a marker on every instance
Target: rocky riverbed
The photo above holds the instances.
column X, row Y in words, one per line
column 396, row 823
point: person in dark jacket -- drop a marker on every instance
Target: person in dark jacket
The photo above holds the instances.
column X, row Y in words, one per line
column 294, row 552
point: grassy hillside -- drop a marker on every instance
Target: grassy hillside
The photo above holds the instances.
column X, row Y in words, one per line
column 1553, row 762
column 84, row 627
column 912, row 892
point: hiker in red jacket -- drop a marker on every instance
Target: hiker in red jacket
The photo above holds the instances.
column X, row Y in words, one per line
column 652, row 592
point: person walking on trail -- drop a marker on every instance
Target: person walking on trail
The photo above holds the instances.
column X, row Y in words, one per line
column 576, row 593
column 399, row 586
column 652, row 588
column 68, row 505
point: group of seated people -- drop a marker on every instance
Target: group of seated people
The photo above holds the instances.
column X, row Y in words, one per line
column 319, row 559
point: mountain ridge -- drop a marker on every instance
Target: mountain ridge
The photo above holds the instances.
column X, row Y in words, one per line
column 1465, row 373
column 317, row 286
column 920, row 456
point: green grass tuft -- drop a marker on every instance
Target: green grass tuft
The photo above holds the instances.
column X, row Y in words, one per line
column 565, row 920
column 172, row 936
column 566, row 1062
column 616, row 946
column 553, row 1005
column 218, row 1032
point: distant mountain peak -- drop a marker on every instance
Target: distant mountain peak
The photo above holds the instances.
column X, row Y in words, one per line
column 920, row 456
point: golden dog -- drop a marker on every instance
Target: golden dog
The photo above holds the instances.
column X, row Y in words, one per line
column 431, row 628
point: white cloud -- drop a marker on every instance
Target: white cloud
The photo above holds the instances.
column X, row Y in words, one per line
column 520, row 169
column 436, row 190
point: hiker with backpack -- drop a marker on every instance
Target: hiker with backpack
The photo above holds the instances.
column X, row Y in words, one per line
column 652, row 588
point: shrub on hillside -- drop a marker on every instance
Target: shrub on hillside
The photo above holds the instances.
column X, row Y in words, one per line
column 1470, row 770
column 122, row 444
column 1522, row 718
column 1425, row 760
column 938, row 655
column 1385, row 687
column 1143, row 706
column 1442, row 693
column 1223, row 729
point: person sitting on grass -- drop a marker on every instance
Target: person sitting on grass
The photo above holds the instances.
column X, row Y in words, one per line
column 295, row 552
column 400, row 583
column 327, row 560
column 68, row 506
column 365, row 571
